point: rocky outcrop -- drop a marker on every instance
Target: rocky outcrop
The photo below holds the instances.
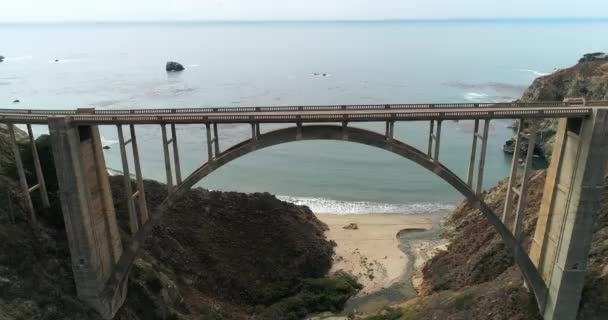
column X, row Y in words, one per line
column 588, row 79
column 475, row 278
column 477, row 253
column 173, row 66
column 214, row 256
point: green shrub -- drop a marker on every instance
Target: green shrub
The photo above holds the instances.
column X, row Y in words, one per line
column 463, row 302
column 315, row 295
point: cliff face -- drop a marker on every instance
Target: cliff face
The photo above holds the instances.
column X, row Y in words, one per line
column 215, row 255
column 475, row 278
column 588, row 79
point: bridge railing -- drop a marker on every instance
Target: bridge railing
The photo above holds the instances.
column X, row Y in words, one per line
column 136, row 111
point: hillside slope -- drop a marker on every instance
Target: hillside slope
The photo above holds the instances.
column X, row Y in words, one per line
column 475, row 278
column 587, row 79
column 215, row 255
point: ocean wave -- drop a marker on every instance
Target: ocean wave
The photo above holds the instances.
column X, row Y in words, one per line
column 321, row 205
column 19, row 58
column 491, row 85
column 114, row 172
column 534, row 72
column 486, row 98
column 108, row 142
column 475, row 96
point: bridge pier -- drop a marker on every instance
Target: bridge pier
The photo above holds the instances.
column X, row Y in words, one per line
column 570, row 202
column 88, row 212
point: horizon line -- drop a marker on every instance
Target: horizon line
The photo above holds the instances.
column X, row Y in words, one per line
column 149, row 21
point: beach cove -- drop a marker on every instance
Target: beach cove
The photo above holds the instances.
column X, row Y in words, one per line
column 384, row 252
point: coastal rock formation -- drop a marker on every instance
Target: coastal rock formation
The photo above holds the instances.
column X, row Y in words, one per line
column 475, row 278
column 173, row 66
column 476, row 271
column 476, row 253
column 588, row 79
column 215, row 255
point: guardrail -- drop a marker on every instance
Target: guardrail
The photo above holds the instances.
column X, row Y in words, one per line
column 308, row 108
column 447, row 111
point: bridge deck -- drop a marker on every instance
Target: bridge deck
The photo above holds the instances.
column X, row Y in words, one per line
column 352, row 113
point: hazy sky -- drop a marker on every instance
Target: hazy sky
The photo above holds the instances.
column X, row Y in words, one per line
column 62, row 10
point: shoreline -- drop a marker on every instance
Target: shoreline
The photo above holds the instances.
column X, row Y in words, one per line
column 384, row 253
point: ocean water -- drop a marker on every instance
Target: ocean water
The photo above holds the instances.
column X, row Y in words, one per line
column 121, row 65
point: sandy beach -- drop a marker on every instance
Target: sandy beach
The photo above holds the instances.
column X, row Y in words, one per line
column 371, row 251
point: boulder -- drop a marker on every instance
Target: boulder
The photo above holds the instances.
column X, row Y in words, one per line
column 16, row 101
column 1, row 58
column 352, row 226
column 173, row 66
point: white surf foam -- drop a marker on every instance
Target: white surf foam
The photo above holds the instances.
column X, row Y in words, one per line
column 19, row 58
column 108, row 142
column 534, row 72
column 321, row 205
column 475, row 96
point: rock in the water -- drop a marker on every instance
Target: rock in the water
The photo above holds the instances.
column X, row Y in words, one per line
column 1, row 58
column 106, row 147
column 16, row 101
column 173, row 66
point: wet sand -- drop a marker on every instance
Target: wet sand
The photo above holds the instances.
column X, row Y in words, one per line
column 372, row 252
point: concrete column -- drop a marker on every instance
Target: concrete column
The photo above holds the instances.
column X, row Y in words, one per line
column 88, row 212
column 482, row 156
column 570, row 202
column 471, row 171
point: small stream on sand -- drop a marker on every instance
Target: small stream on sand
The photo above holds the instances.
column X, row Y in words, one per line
column 419, row 245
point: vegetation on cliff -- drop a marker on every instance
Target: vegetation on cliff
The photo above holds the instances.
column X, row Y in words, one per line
column 214, row 256
column 475, row 278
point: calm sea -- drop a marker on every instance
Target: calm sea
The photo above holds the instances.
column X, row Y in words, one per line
column 242, row 64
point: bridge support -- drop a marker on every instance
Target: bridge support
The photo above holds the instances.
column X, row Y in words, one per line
column 88, row 212
column 570, row 201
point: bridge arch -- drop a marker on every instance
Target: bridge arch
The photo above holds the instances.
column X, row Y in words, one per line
column 339, row 133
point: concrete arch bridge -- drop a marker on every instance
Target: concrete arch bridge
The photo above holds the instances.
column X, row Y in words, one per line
column 554, row 269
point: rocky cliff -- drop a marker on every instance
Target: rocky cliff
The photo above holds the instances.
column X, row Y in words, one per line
column 475, row 278
column 587, row 79
column 214, row 256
